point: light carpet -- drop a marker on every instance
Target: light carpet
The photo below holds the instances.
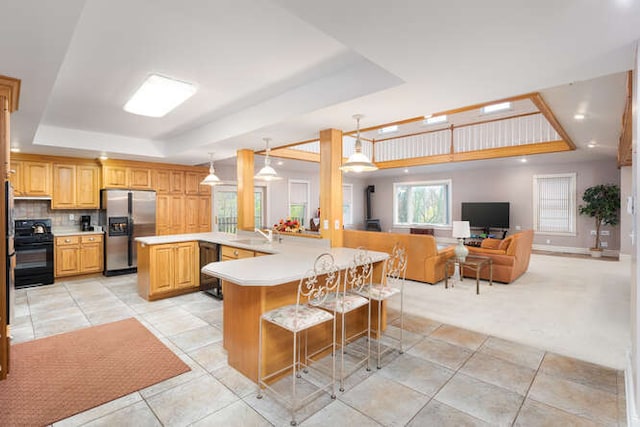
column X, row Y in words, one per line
column 55, row 377
column 578, row 307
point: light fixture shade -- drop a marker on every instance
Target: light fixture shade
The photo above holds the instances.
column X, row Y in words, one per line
column 461, row 229
column 211, row 179
column 358, row 161
column 267, row 173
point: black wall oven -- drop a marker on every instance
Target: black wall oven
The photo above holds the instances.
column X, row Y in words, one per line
column 34, row 252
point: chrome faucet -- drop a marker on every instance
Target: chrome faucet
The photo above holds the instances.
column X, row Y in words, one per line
column 268, row 235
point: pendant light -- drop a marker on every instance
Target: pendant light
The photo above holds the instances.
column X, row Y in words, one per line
column 211, row 179
column 358, row 161
column 267, row 173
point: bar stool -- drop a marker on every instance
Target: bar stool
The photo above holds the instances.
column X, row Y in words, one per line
column 392, row 283
column 357, row 281
column 314, row 288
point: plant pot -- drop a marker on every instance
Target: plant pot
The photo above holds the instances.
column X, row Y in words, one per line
column 595, row 253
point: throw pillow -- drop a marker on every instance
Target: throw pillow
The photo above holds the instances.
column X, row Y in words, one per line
column 504, row 244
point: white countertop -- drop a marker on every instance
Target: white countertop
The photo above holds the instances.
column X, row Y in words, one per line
column 71, row 231
column 290, row 261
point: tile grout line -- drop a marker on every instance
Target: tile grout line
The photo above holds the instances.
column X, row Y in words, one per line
column 526, row 394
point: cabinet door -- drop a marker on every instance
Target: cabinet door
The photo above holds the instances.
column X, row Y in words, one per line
column 204, row 214
column 91, row 254
column 88, row 187
column 163, row 215
column 162, row 181
column 114, row 177
column 177, row 214
column 191, row 214
column 67, row 262
column 192, row 183
column 161, row 268
column 36, row 178
column 140, row 178
column 64, row 186
column 186, row 276
column 177, row 182
column 16, row 178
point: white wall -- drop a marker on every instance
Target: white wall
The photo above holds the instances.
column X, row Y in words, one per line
column 626, row 219
column 509, row 184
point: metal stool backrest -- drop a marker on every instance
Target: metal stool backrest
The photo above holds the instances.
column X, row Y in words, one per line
column 396, row 265
column 313, row 288
column 359, row 274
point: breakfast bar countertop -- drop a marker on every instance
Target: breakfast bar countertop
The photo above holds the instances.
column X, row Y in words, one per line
column 290, row 260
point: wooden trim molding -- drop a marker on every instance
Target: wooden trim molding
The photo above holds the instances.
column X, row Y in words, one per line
column 10, row 87
column 548, row 114
column 288, row 153
column 625, row 145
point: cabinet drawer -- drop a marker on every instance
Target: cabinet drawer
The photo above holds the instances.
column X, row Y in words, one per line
column 92, row 238
column 236, row 253
column 67, row 240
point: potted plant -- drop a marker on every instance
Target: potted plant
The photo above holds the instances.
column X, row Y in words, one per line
column 601, row 202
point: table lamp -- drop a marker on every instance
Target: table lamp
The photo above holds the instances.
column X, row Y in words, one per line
column 461, row 230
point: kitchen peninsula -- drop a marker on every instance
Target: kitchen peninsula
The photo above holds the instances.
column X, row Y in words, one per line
column 251, row 286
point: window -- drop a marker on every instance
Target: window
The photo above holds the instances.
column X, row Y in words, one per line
column 422, row 203
column 347, row 204
column 226, row 207
column 554, row 204
column 299, row 200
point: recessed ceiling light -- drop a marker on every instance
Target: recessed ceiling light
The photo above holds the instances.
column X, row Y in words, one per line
column 494, row 108
column 435, row 120
column 103, row 157
column 592, row 144
column 158, row 95
column 406, row 170
column 280, row 163
column 388, row 129
column 578, row 116
column 523, row 160
column 15, row 149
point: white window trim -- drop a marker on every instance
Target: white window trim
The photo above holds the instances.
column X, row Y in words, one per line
column 449, row 184
column 348, row 221
column 299, row 181
column 573, row 208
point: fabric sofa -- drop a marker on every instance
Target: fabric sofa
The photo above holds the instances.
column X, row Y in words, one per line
column 425, row 262
column 510, row 256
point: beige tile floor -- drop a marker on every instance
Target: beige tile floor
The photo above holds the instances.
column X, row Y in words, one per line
column 447, row 376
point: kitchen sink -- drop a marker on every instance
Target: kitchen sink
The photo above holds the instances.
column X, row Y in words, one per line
column 250, row 241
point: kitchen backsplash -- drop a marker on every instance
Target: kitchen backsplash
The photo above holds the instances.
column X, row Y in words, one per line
column 38, row 209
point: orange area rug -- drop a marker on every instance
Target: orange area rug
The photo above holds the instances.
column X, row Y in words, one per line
column 55, row 377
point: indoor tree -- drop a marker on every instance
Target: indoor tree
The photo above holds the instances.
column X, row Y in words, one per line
column 601, row 202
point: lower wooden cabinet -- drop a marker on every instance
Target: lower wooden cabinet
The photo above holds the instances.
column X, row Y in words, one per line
column 168, row 269
column 78, row 254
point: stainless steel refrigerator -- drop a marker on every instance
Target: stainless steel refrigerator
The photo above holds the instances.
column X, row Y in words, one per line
column 11, row 252
column 125, row 215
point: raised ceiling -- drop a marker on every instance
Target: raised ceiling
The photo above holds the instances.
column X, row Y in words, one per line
column 286, row 69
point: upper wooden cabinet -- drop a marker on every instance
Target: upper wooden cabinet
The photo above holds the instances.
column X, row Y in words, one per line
column 31, row 178
column 76, row 186
column 192, row 184
column 118, row 176
column 162, row 181
column 177, row 182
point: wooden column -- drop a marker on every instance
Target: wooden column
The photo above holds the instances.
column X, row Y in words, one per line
column 246, row 206
column 331, row 186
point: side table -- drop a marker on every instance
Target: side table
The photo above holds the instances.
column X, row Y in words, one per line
column 473, row 262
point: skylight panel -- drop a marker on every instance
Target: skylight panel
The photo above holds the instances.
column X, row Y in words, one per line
column 158, row 95
column 494, row 108
column 436, row 120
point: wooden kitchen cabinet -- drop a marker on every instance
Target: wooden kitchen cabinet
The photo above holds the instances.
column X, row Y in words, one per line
column 170, row 214
column 162, row 181
column 91, row 250
column 78, row 254
column 204, row 214
column 67, row 256
column 197, row 214
column 31, row 178
column 75, row 186
column 125, row 177
column 168, row 269
column 229, row 252
column 177, row 182
column 192, row 184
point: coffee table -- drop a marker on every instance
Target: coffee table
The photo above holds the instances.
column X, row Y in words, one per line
column 473, row 262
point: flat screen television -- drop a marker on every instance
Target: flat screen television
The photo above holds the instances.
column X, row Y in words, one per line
column 486, row 215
